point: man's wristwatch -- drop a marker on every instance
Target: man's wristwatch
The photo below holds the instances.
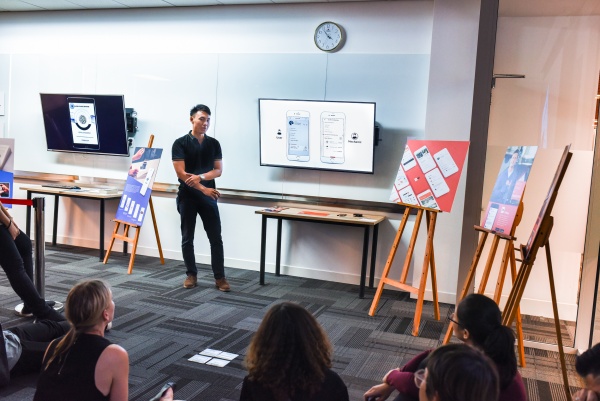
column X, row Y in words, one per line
column 202, row 177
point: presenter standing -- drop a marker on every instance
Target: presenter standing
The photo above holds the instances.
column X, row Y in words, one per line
column 197, row 160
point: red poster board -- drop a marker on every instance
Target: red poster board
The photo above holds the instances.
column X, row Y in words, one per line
column 429, row 173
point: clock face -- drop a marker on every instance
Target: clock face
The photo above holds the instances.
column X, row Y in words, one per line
column 329, row 36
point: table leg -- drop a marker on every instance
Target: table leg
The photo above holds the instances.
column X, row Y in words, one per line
column 55, row 220
column 263, row 240
column 28, row 221
column 101, row 230
column 363, row 268
column 373, row 255
column 278, row 254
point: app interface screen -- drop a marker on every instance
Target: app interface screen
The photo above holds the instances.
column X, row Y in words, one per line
column 83, row 123
column 333, row 137
column 297, row 135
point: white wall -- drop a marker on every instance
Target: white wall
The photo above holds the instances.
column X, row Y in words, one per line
column 164, row 61
column 560, row 57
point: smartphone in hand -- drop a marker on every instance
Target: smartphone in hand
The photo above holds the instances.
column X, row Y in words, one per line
column 163, row 390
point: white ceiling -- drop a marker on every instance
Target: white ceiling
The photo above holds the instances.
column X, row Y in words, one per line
column 513, row 8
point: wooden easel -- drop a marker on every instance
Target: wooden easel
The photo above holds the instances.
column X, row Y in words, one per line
column 541, row 238
column 507, row 256
column 125, row 236
column 428, row 263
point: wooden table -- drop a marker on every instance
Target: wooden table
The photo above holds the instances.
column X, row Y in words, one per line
column 323, row 217
column 84, row 193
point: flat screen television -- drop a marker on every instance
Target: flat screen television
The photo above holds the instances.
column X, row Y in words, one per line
column 85, row 123
column 319, row 135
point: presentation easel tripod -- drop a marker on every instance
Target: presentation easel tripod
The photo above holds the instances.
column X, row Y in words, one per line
column 508, row 256
column 540, row 237
column 134, row 240
column 428, row 264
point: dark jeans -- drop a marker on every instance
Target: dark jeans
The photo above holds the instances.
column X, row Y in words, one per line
column 188, row 207
column 35, row 338
column 17, row 262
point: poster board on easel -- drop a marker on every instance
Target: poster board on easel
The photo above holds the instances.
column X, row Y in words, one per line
column 426, row 182
column 7, row 165
column 136, row 199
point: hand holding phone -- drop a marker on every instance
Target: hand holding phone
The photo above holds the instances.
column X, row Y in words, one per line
column 163, row 390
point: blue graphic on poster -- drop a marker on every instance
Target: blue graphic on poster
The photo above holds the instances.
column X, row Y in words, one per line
column 7, row 162
column 138, row 187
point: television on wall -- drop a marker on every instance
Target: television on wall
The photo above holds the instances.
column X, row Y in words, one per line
column 319, row 135
column 85, row 123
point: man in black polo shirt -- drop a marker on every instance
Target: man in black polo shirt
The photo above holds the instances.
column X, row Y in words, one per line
column 198, row 161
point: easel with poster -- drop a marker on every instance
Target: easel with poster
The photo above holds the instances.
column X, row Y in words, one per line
column 502, row 217
column 136, row 199
column 540, row 237
column 426, row 183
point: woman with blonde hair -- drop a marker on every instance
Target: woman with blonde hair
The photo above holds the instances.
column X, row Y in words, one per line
column 289, row 359
column 84, row 365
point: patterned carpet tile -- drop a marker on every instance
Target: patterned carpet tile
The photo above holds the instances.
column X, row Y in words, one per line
column 162, row 325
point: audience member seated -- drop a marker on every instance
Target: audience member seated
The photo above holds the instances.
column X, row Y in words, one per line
column 289, row 358
column 588, row 367
column 477, row 322
column 84, row 365
column 22, row 348
column 17, row 262
column 457, row 372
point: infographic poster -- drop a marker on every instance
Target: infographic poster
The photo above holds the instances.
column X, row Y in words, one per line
column 7, row 163
column 133, row 205
column 429, row 173
column 509, row 188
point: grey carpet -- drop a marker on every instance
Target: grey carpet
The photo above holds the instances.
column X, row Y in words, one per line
column 161, row 325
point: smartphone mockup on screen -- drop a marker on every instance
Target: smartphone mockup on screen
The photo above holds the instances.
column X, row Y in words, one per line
column 83, row 123
column 297, row 135
column 491, row 216
column 333, row 126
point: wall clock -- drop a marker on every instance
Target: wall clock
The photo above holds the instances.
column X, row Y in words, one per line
column 329, row 36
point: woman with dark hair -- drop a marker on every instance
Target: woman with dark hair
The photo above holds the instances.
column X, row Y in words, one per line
column 289, row 358
column 478, row 323
column 84, row 365
column 457, row 372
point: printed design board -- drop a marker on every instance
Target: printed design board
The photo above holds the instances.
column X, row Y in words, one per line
column 138, row 187
column 509, row 189
column 7, row 163
column 429, row 173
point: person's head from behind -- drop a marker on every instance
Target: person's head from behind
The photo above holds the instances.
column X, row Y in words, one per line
column 290, row 352
column 89, row 304
column 478, row 322
column 458, row 372
column 588, row 367
column 89, row 308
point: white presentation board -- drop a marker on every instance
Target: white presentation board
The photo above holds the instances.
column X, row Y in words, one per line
column 322, row 135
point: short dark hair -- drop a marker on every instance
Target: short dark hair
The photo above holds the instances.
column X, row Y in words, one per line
column 199, row 107
column 589, row 362
column 461, row 372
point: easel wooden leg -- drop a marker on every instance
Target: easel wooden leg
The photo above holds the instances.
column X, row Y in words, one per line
column 520, row 345
column 561, row 352
column 426, row 264
column 112, row 242
column 133, row 249
column 411, row 246
column 160, row 252
column 488, row 265
column 469, row 279
column 389, row 262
